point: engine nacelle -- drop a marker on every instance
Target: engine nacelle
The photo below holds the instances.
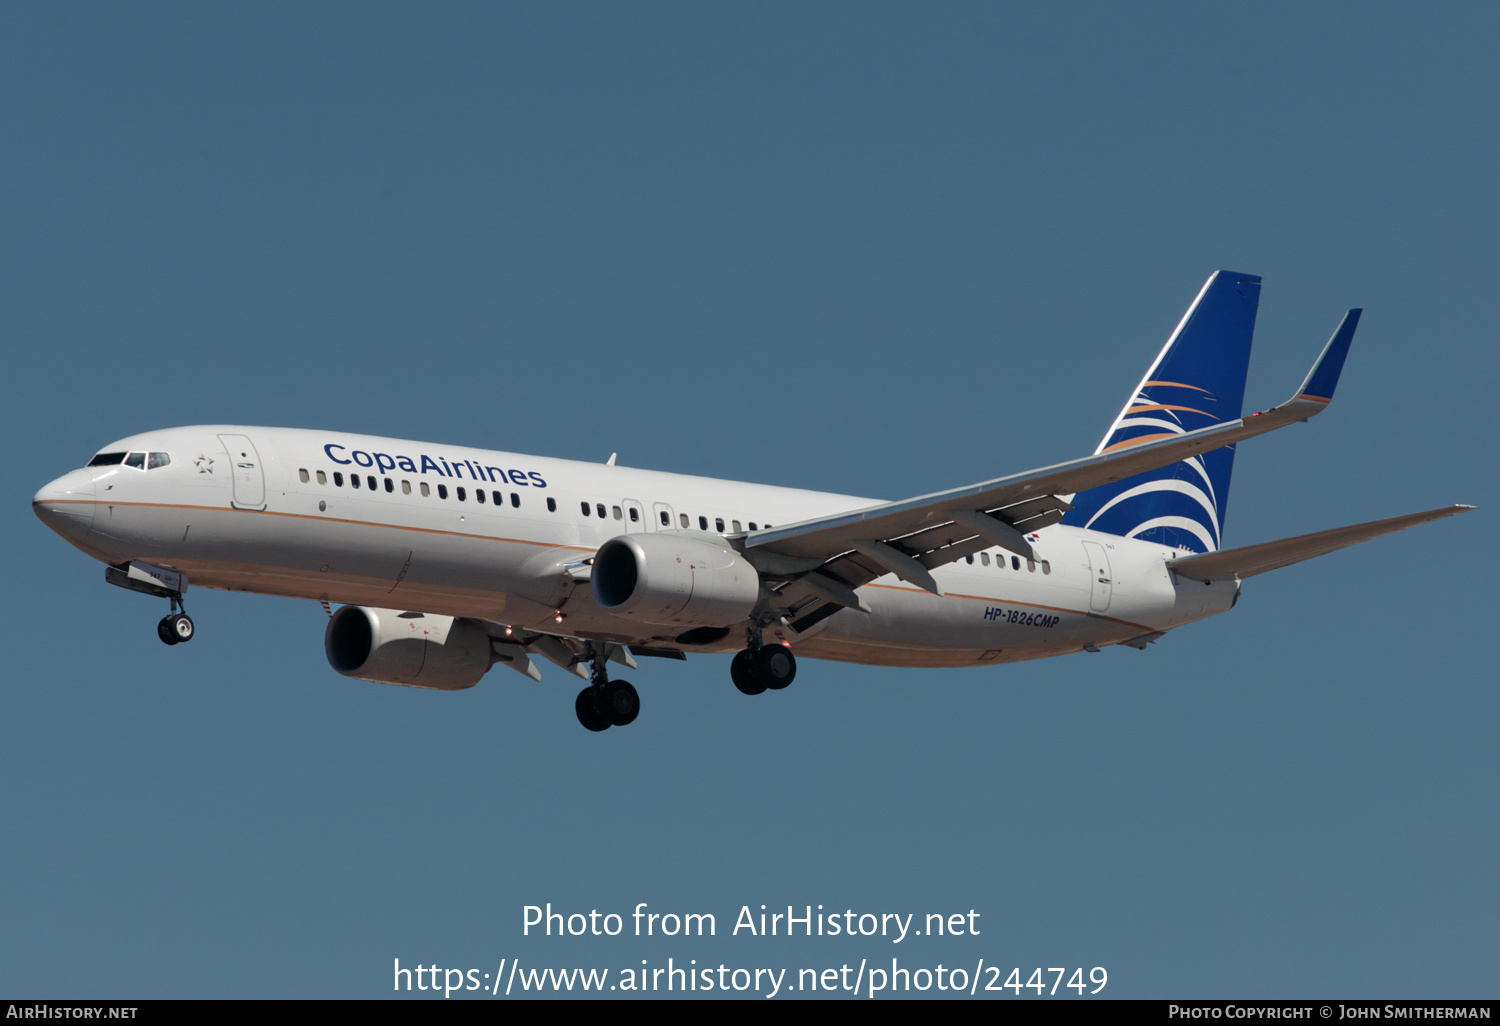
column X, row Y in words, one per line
column 418, row 650
column 674, row 579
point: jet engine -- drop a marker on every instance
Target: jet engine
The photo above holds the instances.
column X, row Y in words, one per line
column 674, row 579
column 418, row 650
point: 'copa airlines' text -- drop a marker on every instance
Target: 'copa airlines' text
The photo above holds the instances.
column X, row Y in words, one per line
column 440, row 466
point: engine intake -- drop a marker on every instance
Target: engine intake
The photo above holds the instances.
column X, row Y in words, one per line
column 417, row 650
column 674, row 579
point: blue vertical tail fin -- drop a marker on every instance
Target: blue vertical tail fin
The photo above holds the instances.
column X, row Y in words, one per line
column 1196, row 381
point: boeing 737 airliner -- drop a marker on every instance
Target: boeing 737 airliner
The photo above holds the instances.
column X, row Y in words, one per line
column 448, row 559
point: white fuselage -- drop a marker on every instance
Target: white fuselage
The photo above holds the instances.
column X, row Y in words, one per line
column 269, row 517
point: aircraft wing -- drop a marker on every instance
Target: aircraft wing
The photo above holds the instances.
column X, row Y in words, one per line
column 1250, row 560
column 825, row 559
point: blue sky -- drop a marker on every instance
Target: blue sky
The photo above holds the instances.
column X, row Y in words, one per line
column 875, row 249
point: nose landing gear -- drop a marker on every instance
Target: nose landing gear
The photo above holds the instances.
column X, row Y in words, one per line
column 176, row 627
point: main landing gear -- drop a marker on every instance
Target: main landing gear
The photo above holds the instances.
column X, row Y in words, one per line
column 175, row 627
column 762, row 667
column 606, row 703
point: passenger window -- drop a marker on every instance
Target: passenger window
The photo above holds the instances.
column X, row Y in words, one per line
column 425, row 490
column 719, row 524
column 1046, row 567
column 703, row 523
column 984, row 559
column 499, row 498
column 390, row 486
column 1031, row 566
column 136, row 460
column 736, row 527
column 338, row 478
column 322, row 478
column 515, row 500
column 634, row 515
column 479, row 496
column 303, row 476
column 683, row 519
column 161, row 459
column 405, row 487
column 616, row 511
column 969, row 560
column 600, row 507
column 442, row 491
column 1015, row 562
column 752, row 525
column 371, row 480
column 461, row 493
column 551, row 504
column 353, row 480
column 666, row 521
column 585, row 507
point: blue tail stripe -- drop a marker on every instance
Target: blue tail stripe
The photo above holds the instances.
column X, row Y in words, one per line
column 1197, row 380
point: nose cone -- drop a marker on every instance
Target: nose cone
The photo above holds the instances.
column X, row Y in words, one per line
column 67, row 505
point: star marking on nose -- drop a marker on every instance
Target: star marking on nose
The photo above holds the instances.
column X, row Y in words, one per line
column 204, row 465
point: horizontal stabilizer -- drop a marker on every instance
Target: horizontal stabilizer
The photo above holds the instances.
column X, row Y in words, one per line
column 1227, row 564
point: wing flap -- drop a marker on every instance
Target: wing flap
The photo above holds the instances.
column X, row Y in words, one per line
column 1249, row 560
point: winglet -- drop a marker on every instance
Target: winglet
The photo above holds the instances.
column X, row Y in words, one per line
column 1324, row 376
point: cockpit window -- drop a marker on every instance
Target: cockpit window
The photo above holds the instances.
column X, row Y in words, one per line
column 107, row 459
column 158, row 459
column 136, row 460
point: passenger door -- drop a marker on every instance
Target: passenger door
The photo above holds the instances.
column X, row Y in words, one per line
column 1101, row 586
column 248, row 475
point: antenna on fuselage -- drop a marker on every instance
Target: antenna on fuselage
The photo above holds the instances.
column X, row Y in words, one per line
column 611, row 461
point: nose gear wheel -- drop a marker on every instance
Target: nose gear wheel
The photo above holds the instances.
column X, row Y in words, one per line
column 175, row 629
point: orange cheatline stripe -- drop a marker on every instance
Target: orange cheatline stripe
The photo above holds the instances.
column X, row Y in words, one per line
column 1315, row 398
column 1137, row 441
column 309, row 516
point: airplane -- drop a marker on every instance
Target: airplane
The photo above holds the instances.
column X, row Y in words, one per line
column 446, row 560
